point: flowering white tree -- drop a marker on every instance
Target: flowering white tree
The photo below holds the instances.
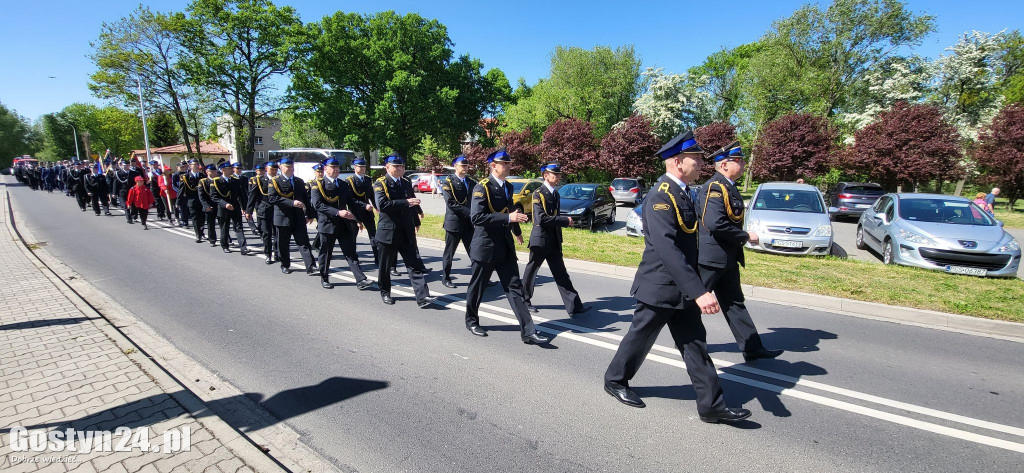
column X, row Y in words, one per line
column 900, row 79
column 673, row 102
column 968, row 82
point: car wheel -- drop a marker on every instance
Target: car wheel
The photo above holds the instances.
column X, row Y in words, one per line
column 888, row 257
column 860, row 238
column 590, row 223
column 611, row 217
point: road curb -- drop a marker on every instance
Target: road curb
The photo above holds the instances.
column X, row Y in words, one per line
column 272, row 447
column 867, row 310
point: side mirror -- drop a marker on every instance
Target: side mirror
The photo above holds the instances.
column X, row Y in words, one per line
column 1000, row 222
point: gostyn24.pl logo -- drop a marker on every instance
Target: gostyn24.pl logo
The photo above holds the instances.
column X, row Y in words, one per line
column 122, row 439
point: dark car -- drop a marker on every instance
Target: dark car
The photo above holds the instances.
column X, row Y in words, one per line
column 852, row 198
column 587, row 204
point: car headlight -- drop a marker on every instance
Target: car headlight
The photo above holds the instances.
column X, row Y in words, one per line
column 632, row 217
column 1010, row 246
column 823, row 231
column 915, row 238
column 576, row 211
column 754, row 225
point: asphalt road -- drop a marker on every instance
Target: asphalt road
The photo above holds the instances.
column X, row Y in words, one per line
column 396, row 388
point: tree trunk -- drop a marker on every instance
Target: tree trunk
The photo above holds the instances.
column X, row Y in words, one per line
column 959, row 187
column 85, row 142
column 236, row 126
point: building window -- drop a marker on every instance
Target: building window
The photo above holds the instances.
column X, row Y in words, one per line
column 259, row 140
column 259, row 126
column 259, row 154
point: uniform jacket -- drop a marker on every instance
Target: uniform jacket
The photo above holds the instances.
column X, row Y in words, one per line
column 362, row 191
column 222, row 193
column 205, row 190
column 282, row 194
column 328, row 198
column 121, row 184
column 257, row 201
column 398, row 219
column 75, row 183
column 492, row 232
column 667, row 275
column 720, row 207
column 547, row 224
column 241, row 186
column 190, row 190
column 95, row 184
column 457, row 199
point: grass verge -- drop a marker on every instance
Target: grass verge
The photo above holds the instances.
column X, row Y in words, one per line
column 860, row 280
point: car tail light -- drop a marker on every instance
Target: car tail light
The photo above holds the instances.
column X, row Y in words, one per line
column 611, row 189
column 844, row 208
column 845, row 196
column 635, row 190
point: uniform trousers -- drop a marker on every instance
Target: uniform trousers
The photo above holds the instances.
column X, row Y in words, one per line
column 570, row 298
column 284, row 239
column 725, row 282
column 690, row 338
column 451, row 243
column 98, row 201
column 348, row 248
column 233, row 221
column 410, row 256
column 508, row 274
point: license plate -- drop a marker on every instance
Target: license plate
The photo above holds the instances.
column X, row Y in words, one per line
column 788, row 243
column 967, row 271
column 862, row 206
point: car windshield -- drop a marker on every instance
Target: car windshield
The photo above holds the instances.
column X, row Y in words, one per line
column 864, row 190
column 787, row 200
column 624, row 184
column 577, row 191
column 517, row 186
column 939, row 210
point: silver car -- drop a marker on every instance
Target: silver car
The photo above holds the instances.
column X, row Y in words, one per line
column 627, row 189
column 940, row 232
column 790, row 219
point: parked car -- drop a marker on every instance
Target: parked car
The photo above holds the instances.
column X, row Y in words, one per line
column 789, row 218
column 627, row 189
column 247, row 174
column 635, row 221
column 414, row 178
column 852, row 198
column 587, row 204
column 522, row 192
column 427, row 182
column 939, row 232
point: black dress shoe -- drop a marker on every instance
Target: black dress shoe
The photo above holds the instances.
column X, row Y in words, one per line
column 326, row 284
column 286, row 270
column 728, row 414
column 447, row 283
column 386, row 297
column 364, row 284
column 131, row 222
column 761, row 353
column 144, row 227
column 245, row 252
column 477, row 330
column 269, row 260
column 227, row 250
column 312, row 271
column 394, row 272
column 198, row 240
column 623, row 394
column 535, row 339
column 426, row 301
column 531, row 308
column 107, row 214
column 583, row 309
column 213, row 243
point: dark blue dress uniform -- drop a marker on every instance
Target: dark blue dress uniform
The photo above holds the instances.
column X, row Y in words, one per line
column 190, row 201
column 77, row 186
column 493, row 250
column 259, row 205
column 396, row 233
column 721, row 254
column 289, row 220
column 329, row 196
column 362, row 190
column 458, row 228
column 209, row 208
column 546, row 245
column 225, row 192
column 665, row 287
column 98, row 192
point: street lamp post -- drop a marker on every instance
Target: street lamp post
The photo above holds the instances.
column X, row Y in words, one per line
column 75, row 134
column 145, row 133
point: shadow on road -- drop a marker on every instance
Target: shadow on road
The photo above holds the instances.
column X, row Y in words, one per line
column 45, row 323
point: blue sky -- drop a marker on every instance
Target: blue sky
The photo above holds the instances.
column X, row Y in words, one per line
column 45, row 38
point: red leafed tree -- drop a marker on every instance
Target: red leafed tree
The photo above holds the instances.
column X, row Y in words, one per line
column 571, row 142
column 793, row 146
column 907, row 145
column 477, row 158
column 628, row 149
column 1000, row 152
column 431, row 163
column 713, row 136
column 525, row 153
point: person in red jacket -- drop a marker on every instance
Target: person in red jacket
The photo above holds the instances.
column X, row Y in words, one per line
column 139, row 200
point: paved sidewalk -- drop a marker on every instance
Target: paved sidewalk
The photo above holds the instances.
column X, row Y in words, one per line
column 63, row 368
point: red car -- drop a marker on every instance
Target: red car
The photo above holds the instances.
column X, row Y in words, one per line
column 427, row 182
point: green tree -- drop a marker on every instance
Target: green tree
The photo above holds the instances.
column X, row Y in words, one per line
column 388, row 80
column 673, row 102
column 58, row 137
column 238, row 49
column 16, row 136
column 104, row 128
column 722, row 74
column 145, row 46
column 163, row 129
column 968, row 82
column 298, row 131
column 1010, row 67
column 597, row 86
